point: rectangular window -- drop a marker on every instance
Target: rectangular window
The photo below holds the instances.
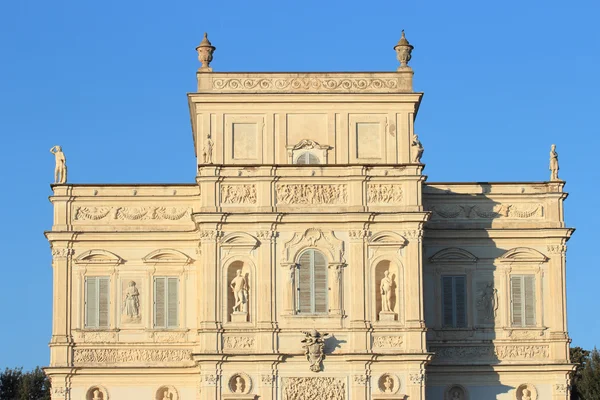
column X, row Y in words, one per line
column 166, row 302
column 454, row 301
column 312, row 283
column 522, row 299
column 97, row 301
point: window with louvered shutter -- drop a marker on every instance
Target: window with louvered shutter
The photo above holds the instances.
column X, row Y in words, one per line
column 522, row 292
column 166, row 302
column 307, row 158
column 97, row 302
column 312, row 283
column 454, row 301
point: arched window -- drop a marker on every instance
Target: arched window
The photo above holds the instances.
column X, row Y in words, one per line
column 307, row 158
column 312, row 283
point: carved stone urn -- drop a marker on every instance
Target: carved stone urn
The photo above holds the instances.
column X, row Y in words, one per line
column 403, row 51
column 205, row 54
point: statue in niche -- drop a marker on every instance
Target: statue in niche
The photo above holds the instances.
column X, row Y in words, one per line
column 456, row 394
column 207, row 153
column 60, row 170
column 386, row 292
column 553, row 164
column 314, row 344
column 417, row 148
column 239, row 287
column 526, row 394
column 388, row 384
column 239, row 384
column 131, row 306
column 97, row 395
column 488, row 301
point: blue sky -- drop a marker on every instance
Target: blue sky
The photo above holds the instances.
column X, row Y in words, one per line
column 107, row 80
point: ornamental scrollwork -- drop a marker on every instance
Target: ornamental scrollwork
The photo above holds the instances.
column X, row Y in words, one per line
column 210, row 234
column 311, row 84
column 62, row 252
column 557, row 249
column 361, row 379
column 417, row 378
column 314, row 345
column 311, row 194
column 359, row 234
column 267, row 380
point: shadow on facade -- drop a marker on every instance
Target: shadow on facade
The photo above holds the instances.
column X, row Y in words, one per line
column 463, row 355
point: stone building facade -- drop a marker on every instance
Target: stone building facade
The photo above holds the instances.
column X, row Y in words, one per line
column 309, row 260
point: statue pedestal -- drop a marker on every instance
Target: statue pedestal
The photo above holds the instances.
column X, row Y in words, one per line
column 387, row 316
column 239, row 316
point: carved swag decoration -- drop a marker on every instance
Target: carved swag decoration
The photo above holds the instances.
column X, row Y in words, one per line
column 314, row 344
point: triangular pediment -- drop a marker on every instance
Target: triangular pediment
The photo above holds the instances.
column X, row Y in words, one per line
column 523, row 254
column 453, row 255
column 98, row 256
column 167, row 256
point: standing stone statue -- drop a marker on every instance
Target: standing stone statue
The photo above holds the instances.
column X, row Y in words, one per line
column 386, row 292
column 553, row 164
column 417, row 149
column 60, row 170
column 240, row 292
column 207, row 153
column 131, row 307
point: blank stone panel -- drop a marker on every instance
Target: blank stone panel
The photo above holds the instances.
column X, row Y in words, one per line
column 244, row 141
column 368, row 140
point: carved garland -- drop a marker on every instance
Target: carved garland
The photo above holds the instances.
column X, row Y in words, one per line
column 132, row 213
column 514, row 211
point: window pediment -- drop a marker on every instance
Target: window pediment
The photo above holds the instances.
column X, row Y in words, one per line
column 453, row 255
column 98, row 256
column 330, row 245
column 315, row 149
column 167, row 256
column 388, row 238
column 523, row 254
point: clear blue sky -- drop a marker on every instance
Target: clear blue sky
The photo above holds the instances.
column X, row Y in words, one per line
column 108, row 79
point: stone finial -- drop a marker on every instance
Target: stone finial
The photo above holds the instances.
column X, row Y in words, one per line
column 553, row 164
column 205, row 54
column 403, row 52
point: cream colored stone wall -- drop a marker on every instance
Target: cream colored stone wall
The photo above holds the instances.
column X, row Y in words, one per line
column 365, row 207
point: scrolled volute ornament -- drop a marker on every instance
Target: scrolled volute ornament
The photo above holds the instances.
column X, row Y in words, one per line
column 205, row 54
column 403, row 52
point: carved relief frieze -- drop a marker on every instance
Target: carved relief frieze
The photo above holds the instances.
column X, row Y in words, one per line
column 311, row 84
column 266, row 235
column 210, row 234
column 384, row 194
column 513, row 352
column 313, row 388
column 240, row 343
column 311, row 194
column 97, row 336
column 131, row 356
column 87, row 213
column 168, row 337
column 209, row 379
column 387, row 342
column 238, row 194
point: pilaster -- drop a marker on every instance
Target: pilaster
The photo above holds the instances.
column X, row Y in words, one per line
column 207, row 289
column 358, row 280
column 60, row 344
